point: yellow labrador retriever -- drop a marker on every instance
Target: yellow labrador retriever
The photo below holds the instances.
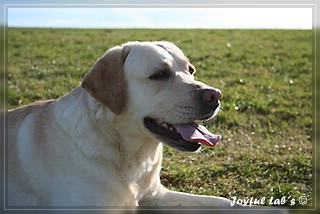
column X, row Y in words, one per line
column 100, row 145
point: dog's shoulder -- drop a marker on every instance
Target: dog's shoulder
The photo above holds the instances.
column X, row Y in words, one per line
column 27, row 109
column 15, row 116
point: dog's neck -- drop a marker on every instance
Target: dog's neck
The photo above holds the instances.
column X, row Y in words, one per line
column 101, row 132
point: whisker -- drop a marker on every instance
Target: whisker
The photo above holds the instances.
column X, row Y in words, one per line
column 210, row 122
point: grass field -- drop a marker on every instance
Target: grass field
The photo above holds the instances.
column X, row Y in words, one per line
column 266, row 118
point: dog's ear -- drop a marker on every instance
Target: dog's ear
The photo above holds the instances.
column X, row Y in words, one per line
column 106, row 80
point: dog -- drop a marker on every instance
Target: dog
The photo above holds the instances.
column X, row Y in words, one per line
column 101, row 144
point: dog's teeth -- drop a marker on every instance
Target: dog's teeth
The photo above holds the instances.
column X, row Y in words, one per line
column 170, row 127
column 166, row 125
column 159, row 123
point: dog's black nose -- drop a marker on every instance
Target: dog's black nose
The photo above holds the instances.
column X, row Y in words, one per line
column 211, row 96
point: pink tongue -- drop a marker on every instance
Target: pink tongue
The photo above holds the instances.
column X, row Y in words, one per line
column 195, row 132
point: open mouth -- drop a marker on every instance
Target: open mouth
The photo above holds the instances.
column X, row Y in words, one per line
column 184, row 137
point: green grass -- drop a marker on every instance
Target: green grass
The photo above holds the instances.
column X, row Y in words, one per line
column 266, row 118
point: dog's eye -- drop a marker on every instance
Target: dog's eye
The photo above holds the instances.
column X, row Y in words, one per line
column 191, row 69
column 160, row 75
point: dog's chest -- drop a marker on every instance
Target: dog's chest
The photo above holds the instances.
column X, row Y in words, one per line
column 139, row 175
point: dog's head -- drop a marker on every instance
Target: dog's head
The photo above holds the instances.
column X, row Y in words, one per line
column 154, row 83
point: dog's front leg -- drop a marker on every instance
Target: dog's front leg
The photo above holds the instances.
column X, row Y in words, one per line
column 165, row 197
